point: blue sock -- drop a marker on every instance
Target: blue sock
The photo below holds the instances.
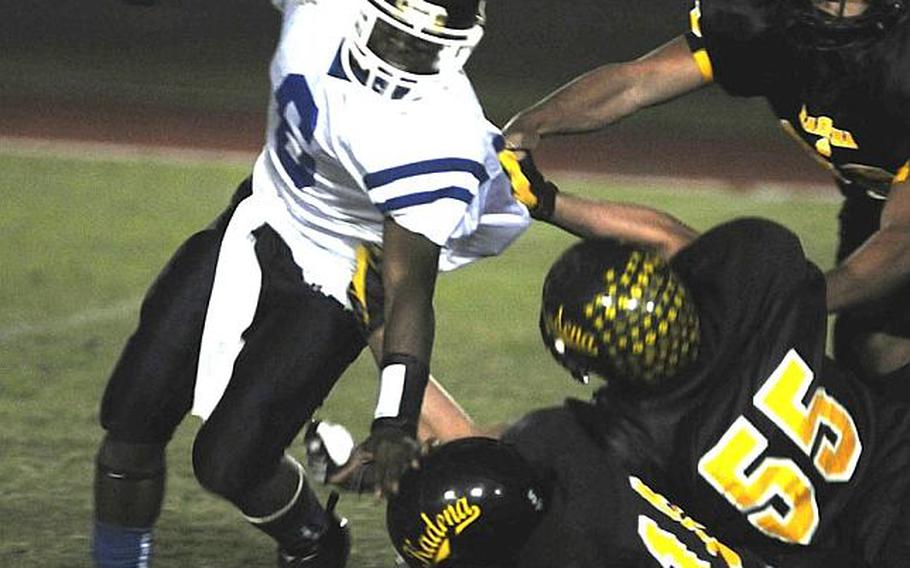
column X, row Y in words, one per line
column 121, row 547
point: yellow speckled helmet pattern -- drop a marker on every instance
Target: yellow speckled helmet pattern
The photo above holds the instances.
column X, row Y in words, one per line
column 620, row 312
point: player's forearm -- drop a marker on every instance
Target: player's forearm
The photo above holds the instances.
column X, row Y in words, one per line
column 410, row 326
column 441, row 417
column 410, row 263
column 875, row 269
column 416, row 340
column 589, row 218
column 409, row 280
column 405, row 364
column 607, row 94
column 587, row 103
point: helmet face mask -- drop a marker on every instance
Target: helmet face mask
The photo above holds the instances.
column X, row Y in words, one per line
column 839, row 8
column 472, row 504
column 618, row 312
column 827, row 25
column 399, row 45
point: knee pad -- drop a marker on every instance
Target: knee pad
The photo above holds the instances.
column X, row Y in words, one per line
column 126, row 460
column 129, row 483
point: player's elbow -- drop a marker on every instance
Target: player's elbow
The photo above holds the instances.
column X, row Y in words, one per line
column 675, row 239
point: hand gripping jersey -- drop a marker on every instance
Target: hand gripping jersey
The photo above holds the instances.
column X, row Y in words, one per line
column 850, row 108
column 339, row 159
column 766, row 441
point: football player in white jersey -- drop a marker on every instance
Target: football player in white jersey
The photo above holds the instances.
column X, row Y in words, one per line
column 374, row 135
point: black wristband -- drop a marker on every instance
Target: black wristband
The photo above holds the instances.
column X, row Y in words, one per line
column 403, row 379
column 383, row 425
column 543, row 189
column 546, row 201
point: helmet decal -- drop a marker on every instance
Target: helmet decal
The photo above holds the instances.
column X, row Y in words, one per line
column 472, row 502
column 434, row 546
column 569, row 335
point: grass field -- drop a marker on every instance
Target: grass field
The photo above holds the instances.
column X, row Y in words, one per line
column 83, row 237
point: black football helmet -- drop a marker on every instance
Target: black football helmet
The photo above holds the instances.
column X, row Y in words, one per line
column 472, row 504
column 620, row 312
column 398, row 45
column 833, row 28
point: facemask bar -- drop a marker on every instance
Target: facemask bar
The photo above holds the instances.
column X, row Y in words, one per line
column 812, row 27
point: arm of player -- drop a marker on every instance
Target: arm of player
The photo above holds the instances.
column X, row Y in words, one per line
column 442, row 419
column 588, row 218
column 410, row 264
column 607, row 94
column 881, row 264
column 629, row 222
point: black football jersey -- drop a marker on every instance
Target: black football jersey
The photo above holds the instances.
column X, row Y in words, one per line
column 601, row 514
column 765, row 440
column 849, row 108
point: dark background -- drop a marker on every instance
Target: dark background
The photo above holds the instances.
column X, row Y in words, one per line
column 105, row 48
column 105, row 70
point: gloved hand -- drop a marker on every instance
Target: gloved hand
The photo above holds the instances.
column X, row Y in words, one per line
column 528, row 184
column 333, row 458
column 365, row 290
column 394, row 450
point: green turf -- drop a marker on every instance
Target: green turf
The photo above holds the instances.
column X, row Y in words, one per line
column 81, row 241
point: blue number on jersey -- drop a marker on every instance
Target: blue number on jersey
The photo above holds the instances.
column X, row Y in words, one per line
column 298, row 113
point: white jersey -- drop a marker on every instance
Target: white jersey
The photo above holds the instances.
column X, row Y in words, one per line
column 339, row 159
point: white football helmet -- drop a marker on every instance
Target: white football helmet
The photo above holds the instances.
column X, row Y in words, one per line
column 398, row 45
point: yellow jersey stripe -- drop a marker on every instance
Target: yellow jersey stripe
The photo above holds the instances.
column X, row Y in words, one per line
column 704, row 64
column 903, row 174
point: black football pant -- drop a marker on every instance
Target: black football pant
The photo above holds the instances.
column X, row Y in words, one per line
column 297, row 346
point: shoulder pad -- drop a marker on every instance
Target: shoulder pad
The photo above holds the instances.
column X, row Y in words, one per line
column 744, row 20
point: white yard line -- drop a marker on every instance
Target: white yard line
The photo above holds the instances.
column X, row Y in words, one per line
column 100, row 151
column 121, row 310
column 769, row 190
column 105, row 152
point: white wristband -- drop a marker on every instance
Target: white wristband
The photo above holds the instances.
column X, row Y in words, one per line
column 391, row 391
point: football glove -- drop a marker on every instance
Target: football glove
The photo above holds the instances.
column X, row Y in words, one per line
column 365, row 290
column 394, row 450
column 332, row 458
column 528, row 185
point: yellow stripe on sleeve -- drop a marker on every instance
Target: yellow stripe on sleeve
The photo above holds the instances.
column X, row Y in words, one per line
column 704, row 64
column 695, row 19
column 903, row 174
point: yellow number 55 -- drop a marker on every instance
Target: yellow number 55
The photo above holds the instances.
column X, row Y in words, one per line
column 836, row 453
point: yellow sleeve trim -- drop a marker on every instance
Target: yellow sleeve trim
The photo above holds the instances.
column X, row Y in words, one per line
column 903, row 174
column 704, row 64
column 695, row 19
